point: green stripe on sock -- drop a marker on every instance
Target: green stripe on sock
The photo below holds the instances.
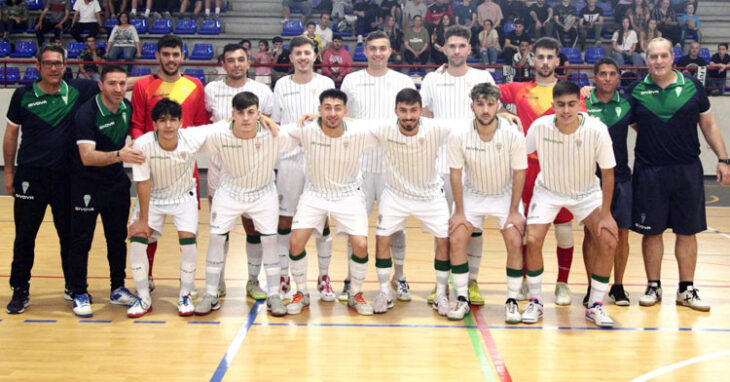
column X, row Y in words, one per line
column 326, row 231
column 284, row 231
column 137, row 239
column 600, row 279
column 253, row 239
column 534, row 273
column 360, row 260
column 476, row 234
column 461, row 268
column 297, row 257
column 187, row 241
column 514, row 272
column 384, row 263
column 441, row 265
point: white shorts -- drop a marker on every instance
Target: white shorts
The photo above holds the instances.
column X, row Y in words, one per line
column 447, row 191
column 545, row 205
column 290, row 184
column 349, row 213
column 373, row 184
column 184, row 215
column 393, row 210
column 214, row 175
column 477, row 208
column 226, row 211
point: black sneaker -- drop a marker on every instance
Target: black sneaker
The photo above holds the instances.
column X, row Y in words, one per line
column 19, row 302
column 619, row 295
column 585, row 298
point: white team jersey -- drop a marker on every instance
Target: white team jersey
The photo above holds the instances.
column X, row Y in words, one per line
column 333, row 164
column 218, row 97
column 448, row 97
column 487, row 166
column 171, row 172
column 292, row 100
column 370, row 97
column 410, row 161
column 568, row 162
column 247, row 165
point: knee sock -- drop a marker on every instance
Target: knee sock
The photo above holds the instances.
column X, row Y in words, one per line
column 254, row 252
column 139, row 265
column 188, row 262
column 514, row 282
column 214, row 263
column 151, row 249
column 382, row 269
column 225, row 257
column 534, row 283
column 298, row 264
column 564, row 237
column 599, row 286
column 358, row 272
column 324, row 251
column 282, row 241
column 442, row 275
column 398, row 251
column 271, row 264
column 461, row 279
column 474, row 254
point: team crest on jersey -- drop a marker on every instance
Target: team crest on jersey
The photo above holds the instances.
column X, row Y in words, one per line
column 257, row 145
column 579, row 142
column 345, row 144
column 87, row 200
column 498, row 146
column 25, row 186
column 421, row 141
column 643, row 218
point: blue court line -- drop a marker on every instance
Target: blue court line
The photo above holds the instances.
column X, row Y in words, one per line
column 220, row 372
column 149, row 322
column 40, row 321
column 95, row 321
column 204, row 322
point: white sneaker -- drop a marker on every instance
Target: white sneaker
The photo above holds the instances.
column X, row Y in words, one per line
column 533, row 313
column 460, row 310
column 402, row 292
column 562, row 294
column 138, row 308
column 599, row 316
column 651, row 296
column 324, row 286
column 185, row 306
column 82, row 306
column 275, row 306
column 121, row 296
column 253, row 290
column 358, row 304
column 207, row 304
column 691, row 299
column 441, row 304
column 383, row 302
column 524, row 293
column 512, row 312
column 344, row 296
column 298, row 302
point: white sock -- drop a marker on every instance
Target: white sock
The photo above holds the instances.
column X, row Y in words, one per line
column 514, row 284
column 225, row 258
column 398, row 251
column 598, row 291
column 349, row 255
column 282, row 243
column 534, row 284
column 188, row 262
column 474, row 255
column 271, row 264
column 139, row 266
column 146, row 12
column 254, row 252
column 214, row 260
column 461, row 283
column 358, row 271
column 217, row 10
column 442, row 278
column 324, row 253
column 299, row 272
column 207, row 11
column 382, row 269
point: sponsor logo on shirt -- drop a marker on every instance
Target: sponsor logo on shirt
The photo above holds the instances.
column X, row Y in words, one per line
column 106, row 125
column 315, row 143
column 296, row 92
column 553, row 141
column 473, row 148
column 38, row 103
column 645, row 92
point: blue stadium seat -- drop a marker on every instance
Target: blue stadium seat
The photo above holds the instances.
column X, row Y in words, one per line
column 5, row 48
column 202, row 52
column 292, row 28
column 30, row 75
column 186, row 26
column 359, row 55
column 416, row 73
column 185, row 50
column 594, row 53
column 74, row 48
column 607, row 8
column 34, row 5
column 580, row 78
column 110, row 23
column 102, row 45
column 498, row 77
column 336, row 33
column 9, row 76
column 139, row 72
column 472, row 60
column 678, row 53
column 508, row 27
column 197, row 73
column 24, row 49
column 32, row 21
column 140, row 24
column 161, row 26
column 705, row 54
column 148, row 50
column 210, row 27
column 573, row 55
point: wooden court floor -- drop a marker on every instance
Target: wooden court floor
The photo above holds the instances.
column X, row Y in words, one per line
column 329, row 343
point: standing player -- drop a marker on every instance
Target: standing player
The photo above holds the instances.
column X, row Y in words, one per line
column 333, row 150
column 447, row 96
column 569, row 145
column 101, row 187
column 490, row 154
column 172, row 84
column 534, row 99
column 218, row 97
column 371, row 95
column 294, row 96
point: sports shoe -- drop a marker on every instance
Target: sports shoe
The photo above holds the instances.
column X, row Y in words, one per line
column 460, row 310
column 441, row 304
column 151, row 283
column 276, row 306
column 431, row 296
column 533, row 312
column 383, row 302
column 512, row 312
column 402, row 290
column 619, row 295
column 285, row 288
column 121, row 296
column 524, row 293
column 82, row 306
column 67, row 295
column 599, row 316
column 20, row 301
column 298, row 302
column 587, row 296
column 326, row 293
column 562, row 294
column 691, row 299
column 651, row 296
column 345, row 294
column 185, row 306
column 138, row 308
column 253, row 290
column 207, row 304
column 358, row 304
column 222, row 288
column 474, row 296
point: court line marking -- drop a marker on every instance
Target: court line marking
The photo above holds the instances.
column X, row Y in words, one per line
column 149, row 322
column 476, row 344
column 40, row 321
column 235, row 345
column 348, row 325
column 669, row 368
column 491, row 346
column 718, row 232
column 95, row 321
column 204, row 322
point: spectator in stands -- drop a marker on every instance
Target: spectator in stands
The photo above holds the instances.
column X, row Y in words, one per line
column 87, row 15
column 562, row 72
column 310, row 33
column 690, row 23
column 490, row 11
column 620, row 8
column 717, row 73
column 590, row 19
column 53, row 18
column 280, row 57
column 541, row 16
column 123, row 41
column 133, row 11
column 163, row 8
column 323, row 30
column 522, row 61
column 692, row 59
column 513, row 10
column 513, row 40
column 436, row 10
column 438, row 40
column 324, row 6
column 489, row 48
column 368, row 18
column 412, row 9
column 246, row 44
column 649, row 33
column 16, row 13
column 112, row 8
column 337, row 61
column 196, row 10
column 263, row 57
column 624, row 44
column 639, row 15
column 465, row 15
column 566, row 20
column 395, row 35
column 415, row 41
column 667, row 22
column 90, row 53
column 305, row 6
column 392, row 8
column 339, row 9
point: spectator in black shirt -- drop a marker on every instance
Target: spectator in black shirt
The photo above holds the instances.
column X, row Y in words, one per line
column 566, row 21
column 514, row 9
column 541, row 19
column 590, row 19
column 717, row 73
column 395, row 35
column 368, row 17
column 392, row 8
column 692, row 58
column 513, row 40
column 667, row 22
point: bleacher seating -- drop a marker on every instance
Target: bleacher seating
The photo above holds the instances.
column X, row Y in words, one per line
column 705, row 54
column 202, row 52
column 34, row 5
column 573, row 54
column 5, row 48
column 9, row 75
column 359, row 54
column 148, row 50
column 594, row 53
column 292, row 28
column 210, row 27
column 140, row 24
column 197, row 73
column 508, row 27
column 161, row 26
column 606, row 7
column 102, row 45
column 30, row 75
column 110, row 23
column 186, row 26
column 24, row 49
column 336, row 33
column 472, row 60
column 498, row 77
column 580, row 78
column 678, row 53
column 139, row 72
column 74, row 48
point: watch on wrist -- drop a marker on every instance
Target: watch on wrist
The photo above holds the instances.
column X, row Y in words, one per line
column 726, row 161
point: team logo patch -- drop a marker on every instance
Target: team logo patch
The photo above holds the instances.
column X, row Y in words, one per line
column 87, row 200
column 618, row 110
column 579, row 142
column 345, row 144
column 257, row 145
column 498, row 146
column 25, row 186
column 678, row 90
column 643, row 218
column 421, row 141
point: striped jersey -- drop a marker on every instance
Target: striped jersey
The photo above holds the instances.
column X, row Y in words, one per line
column 293, row 100
column 218, row 97
column 247, row 165
column 487, row 165
column 410, row 161
column 333, row 164
column 568, row 161
column 171, row 172
column 370, row 97
column 448, row 97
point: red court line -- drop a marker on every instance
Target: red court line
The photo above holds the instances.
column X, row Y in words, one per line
column 491, row 346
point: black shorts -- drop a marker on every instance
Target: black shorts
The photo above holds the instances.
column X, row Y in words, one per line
column 621, row 204
column 669, row 196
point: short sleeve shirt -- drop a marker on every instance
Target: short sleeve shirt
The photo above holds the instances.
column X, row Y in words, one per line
column 716, row 59
column 616, row 115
